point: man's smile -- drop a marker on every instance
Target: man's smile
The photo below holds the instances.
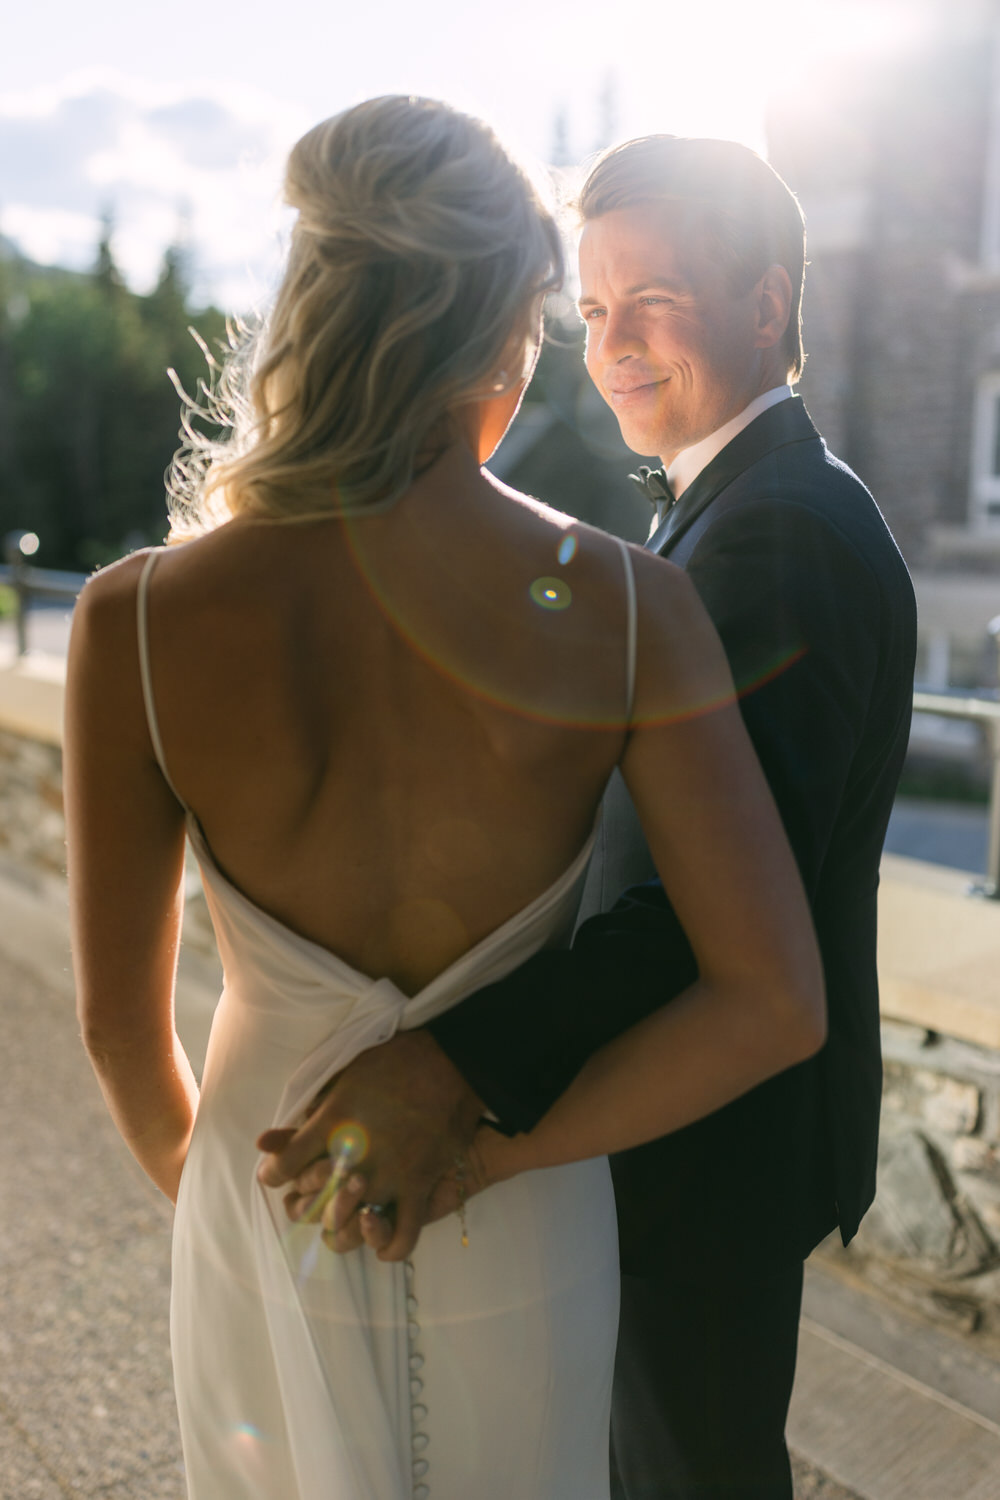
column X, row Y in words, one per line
column 623, row 394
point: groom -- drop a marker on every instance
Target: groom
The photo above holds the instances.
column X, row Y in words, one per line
column 813, row 604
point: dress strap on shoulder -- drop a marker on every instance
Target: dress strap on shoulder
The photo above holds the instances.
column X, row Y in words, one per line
column 631, row 628
column 142, row 633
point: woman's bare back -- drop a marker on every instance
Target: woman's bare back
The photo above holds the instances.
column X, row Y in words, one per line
column 395, row 729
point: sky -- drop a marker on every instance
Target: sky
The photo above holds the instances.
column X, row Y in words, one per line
column 177, row 120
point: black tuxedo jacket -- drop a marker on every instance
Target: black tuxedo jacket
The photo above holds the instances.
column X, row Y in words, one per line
column 815, row 609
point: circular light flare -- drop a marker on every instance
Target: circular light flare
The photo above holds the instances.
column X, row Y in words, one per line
column 347, row 1145
column 551, row 593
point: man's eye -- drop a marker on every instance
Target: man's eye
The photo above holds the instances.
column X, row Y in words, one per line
column 589, row 314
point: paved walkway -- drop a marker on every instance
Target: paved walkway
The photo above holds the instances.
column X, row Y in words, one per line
column 85, row 1397
column 884, row 1407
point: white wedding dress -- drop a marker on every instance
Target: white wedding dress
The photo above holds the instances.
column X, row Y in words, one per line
column 478, row 1373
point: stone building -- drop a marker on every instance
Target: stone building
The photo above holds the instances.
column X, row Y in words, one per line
column 897, row 165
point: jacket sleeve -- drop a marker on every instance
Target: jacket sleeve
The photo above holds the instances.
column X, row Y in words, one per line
column 797, row 610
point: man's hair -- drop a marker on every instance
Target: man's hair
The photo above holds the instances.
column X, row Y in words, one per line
column 751, row 217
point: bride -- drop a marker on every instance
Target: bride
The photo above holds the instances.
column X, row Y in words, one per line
column 381, row 694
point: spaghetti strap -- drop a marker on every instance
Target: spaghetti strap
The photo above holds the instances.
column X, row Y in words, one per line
column 631, row 629
column 142, row 634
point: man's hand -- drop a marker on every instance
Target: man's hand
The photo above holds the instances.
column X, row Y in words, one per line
column 414, row 1116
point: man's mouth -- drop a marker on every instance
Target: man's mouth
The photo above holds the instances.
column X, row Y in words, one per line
column 622, row 395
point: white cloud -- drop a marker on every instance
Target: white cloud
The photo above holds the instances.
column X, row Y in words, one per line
column 206, row 157
column 53, row 236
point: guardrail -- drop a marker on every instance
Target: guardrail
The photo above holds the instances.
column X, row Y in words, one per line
column 981, row 708
column 984, row 710
column 30, row 583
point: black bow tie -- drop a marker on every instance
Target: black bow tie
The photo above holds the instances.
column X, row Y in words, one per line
column 654, row 485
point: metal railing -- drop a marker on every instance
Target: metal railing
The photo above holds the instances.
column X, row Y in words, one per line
column 985, row 711
column 982, row 708
column 30, row 583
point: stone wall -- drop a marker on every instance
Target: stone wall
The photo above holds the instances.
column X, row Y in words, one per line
column 33, row 827
column 32, row 830
column 932, row 1237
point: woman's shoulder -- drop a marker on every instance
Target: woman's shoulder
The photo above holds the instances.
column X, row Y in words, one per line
column 573, row 539
column 600, row 562
column 188, row 576
column 108, row 598
column 682, row 670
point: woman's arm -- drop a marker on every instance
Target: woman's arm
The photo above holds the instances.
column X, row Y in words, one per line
column 758, row 1005
column 125, row 841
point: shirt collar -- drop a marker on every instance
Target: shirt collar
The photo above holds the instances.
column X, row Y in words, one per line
column 690, row 461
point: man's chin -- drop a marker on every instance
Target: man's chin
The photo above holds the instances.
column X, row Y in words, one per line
column 644, row 444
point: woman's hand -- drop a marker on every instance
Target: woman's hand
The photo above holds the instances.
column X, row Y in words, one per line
column 349, row 1220
column 415, row 1115
column 125, row 846
column 490, row 1158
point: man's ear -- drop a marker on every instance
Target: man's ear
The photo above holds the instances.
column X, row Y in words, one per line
column 774, row 306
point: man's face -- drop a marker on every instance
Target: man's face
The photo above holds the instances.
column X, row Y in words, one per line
column 671, row 348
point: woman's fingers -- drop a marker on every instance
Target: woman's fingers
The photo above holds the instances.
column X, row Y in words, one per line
column 299, row 1206
column 377, row 1226
column 273, row 1141
column 339, row 1235
column 348, row 1200
column 410, row 1214
column 309, row 1191
column 314, row 1177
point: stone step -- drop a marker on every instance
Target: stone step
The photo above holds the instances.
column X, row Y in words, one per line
column 889, row 1407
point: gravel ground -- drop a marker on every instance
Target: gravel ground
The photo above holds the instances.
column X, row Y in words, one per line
column 810, row 1484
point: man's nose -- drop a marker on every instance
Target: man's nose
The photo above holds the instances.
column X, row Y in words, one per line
column 619, row 339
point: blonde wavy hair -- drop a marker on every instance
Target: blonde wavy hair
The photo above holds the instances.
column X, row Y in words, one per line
column 413, row 284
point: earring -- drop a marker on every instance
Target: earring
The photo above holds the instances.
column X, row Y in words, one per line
column 502, row 381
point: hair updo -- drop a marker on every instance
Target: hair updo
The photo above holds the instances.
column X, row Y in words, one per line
column 416, row 265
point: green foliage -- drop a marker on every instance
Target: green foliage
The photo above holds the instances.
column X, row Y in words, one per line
column 88, row 416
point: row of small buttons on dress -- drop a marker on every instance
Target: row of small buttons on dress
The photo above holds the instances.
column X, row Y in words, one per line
column 419, row 1438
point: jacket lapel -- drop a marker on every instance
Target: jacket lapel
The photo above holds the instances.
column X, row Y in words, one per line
column 780, row 425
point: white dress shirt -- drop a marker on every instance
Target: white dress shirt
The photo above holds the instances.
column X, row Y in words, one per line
column 690, row 461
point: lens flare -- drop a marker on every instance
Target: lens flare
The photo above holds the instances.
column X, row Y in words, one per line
column 551, row 593
column 767, row 671
column 566, row 550
column 309, row 1259
column 246, row 1433
column 450, row 658
column 347, row 1145
column 248, row 1449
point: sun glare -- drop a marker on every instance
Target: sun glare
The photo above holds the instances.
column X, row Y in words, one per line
column 718, row 62
column 129, row 128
